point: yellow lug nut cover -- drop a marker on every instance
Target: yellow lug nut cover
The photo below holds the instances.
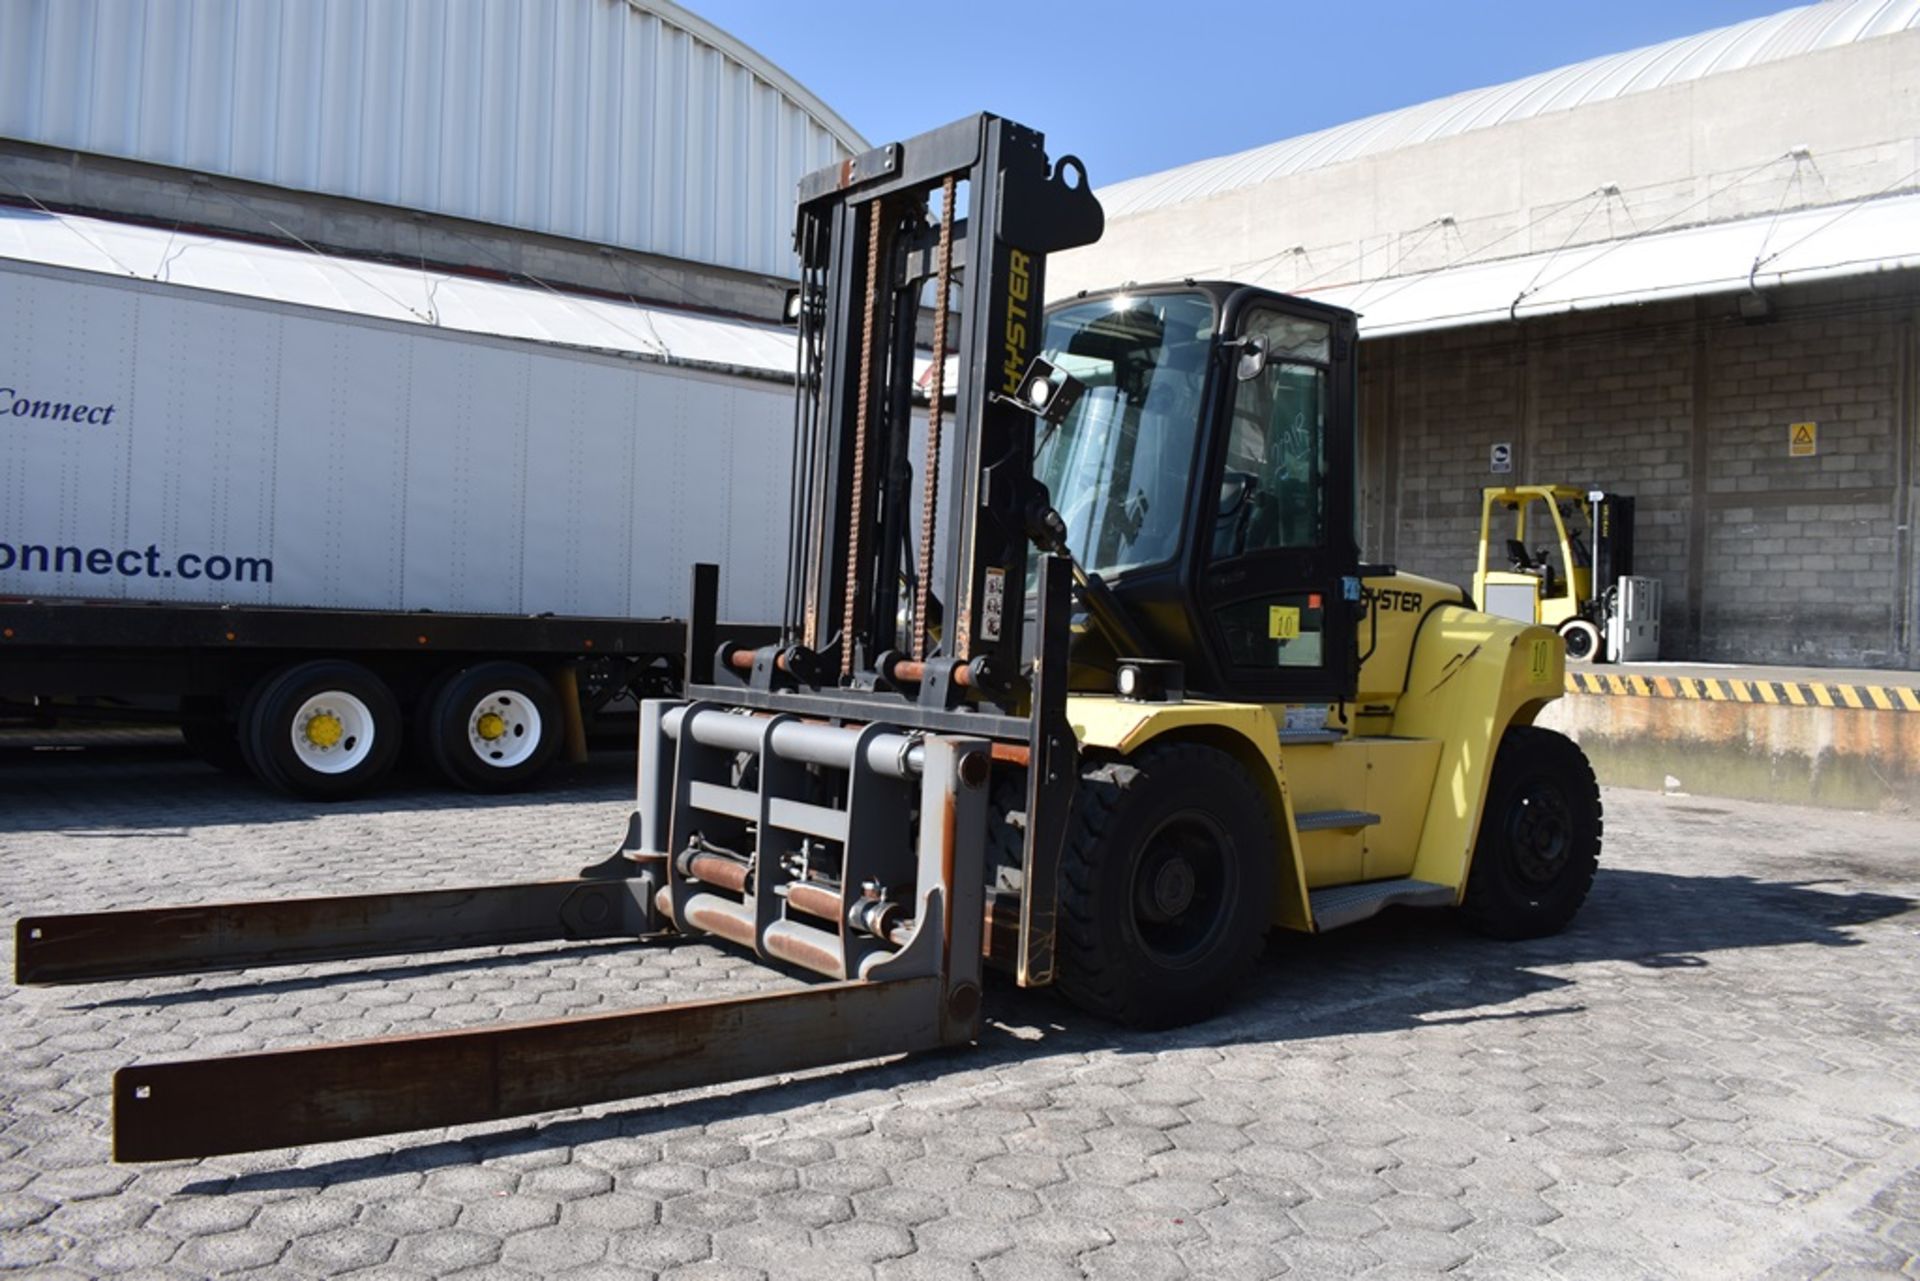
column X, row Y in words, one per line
column 325, row 730
column 491, row 725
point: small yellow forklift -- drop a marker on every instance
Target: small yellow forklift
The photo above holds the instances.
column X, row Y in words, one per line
column 1082, row 679
column 1578, row 578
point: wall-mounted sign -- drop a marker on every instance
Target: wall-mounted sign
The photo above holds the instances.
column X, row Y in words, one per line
column 1803, row 440
column 1500, row 458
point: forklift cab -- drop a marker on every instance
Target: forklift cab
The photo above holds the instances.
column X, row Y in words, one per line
column 1206, row 475
column 1547, row 535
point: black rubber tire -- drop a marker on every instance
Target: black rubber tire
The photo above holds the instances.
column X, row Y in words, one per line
column 266, row 725
column 453, row 756
column 1007, row 830
column 1539, row 842
column 1165, row 807
column 211, row 735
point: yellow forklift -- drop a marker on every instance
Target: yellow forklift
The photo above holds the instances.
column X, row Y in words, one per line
column 1569, row 566
column 1081, row 677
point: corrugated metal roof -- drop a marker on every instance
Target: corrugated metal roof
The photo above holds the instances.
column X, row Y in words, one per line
column 389, row 292
column 1854, row 239
column 620, row 122
column 1745, row 44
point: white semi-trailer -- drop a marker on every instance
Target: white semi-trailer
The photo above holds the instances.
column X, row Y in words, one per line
column 317, row 509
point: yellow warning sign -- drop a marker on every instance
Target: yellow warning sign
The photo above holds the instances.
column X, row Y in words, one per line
column 1283, row 622
column 1803, row 440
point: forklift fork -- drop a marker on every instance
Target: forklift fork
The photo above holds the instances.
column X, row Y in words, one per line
column 914, row 983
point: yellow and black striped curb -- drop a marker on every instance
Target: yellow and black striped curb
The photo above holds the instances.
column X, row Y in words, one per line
column 1721, row 689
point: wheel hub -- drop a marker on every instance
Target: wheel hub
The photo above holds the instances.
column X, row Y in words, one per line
column 503, row 728
column 332, row 732
column 1180, row 888
column 1540, row 832
column 324, row 729
column 1173, row 888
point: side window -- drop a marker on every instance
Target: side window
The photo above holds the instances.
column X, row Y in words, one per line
column 1538, row 549
column 1273, row 494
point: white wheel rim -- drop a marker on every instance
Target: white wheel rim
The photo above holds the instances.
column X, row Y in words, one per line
column 503, row 729
column 332, row 732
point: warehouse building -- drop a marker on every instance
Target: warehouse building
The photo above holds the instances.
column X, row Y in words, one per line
column 1688, row 273
column 624, row 147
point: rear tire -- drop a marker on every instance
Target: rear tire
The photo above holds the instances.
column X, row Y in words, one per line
column 324, row 730
column 493, row 727
column 1166, row 886
column 1539, row 842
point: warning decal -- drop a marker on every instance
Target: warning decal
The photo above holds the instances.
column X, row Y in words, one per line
column 1803, row 440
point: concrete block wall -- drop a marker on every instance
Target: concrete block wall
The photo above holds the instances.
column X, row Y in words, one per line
column 1763, row 557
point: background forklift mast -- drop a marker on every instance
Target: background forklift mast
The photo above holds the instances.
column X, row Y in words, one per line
column 945, row 760
column 1569, row 566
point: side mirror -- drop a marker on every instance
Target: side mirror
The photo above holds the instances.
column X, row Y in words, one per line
column 1253, row 358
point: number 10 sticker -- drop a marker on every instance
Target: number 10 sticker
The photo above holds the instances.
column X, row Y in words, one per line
column 1283, row 622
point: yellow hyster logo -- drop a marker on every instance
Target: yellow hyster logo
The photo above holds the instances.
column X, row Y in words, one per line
column 1019, row 290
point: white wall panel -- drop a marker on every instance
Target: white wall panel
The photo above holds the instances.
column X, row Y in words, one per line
column 626, row 122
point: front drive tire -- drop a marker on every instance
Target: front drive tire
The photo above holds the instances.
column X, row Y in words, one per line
column 1539, row 842
column 493, row 726
column 1166, row 886
column 1582, row 640
column 324, row 730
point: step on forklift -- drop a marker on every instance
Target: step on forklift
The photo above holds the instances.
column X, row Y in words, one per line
column 1080, row 678
column 1581, row 583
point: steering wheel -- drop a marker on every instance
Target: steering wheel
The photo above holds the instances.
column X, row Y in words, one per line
column 1123, row 516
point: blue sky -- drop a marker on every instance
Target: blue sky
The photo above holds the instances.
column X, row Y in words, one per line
column 1135, row 87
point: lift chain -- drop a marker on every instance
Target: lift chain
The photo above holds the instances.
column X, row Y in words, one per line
column 857, row 516
column 929, row 517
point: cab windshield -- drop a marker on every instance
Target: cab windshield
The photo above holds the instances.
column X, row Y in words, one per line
column 1119, row 467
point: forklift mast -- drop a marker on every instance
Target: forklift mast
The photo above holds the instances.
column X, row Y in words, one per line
column 1612, row 540
column 905, row 593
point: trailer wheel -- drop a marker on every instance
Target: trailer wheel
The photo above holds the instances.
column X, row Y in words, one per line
column 494, row 726
column 1582, row 640
column 212, row 735
column 1166, row 885
column 324, row 730
column 1539, row 841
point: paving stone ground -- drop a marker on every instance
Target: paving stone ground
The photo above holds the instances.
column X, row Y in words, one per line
column 1713, row 1074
